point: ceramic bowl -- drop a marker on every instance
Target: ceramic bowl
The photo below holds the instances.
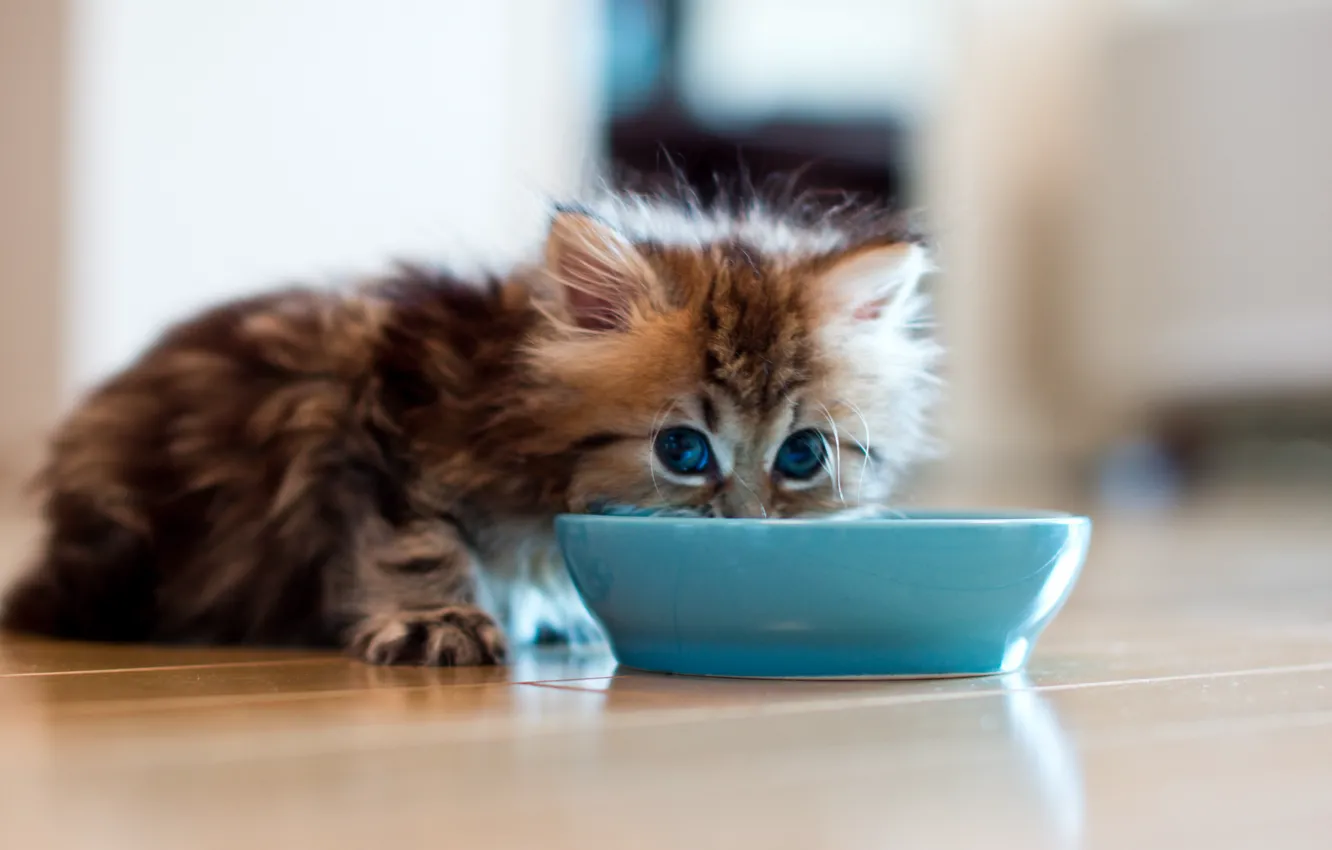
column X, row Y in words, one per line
column 921, row 595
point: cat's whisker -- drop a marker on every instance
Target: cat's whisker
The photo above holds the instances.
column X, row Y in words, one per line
column 762, row 508
column 837, row 443
column 827, row 464
column 864, row 447
column 924, row 376
column 657, row 422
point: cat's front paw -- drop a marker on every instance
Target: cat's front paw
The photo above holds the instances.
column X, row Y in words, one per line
column 454, row 636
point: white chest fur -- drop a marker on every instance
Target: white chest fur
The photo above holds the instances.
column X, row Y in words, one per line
column 524, row 585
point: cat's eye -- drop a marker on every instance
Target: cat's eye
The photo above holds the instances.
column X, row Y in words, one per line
column 683, row 451
column 802, row 455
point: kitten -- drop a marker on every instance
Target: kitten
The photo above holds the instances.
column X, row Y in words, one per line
column 380, row 470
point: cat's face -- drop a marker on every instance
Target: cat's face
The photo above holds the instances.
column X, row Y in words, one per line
column 732, row 381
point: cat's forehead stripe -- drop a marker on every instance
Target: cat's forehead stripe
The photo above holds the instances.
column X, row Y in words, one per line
column 756, row 346
column 709, row 412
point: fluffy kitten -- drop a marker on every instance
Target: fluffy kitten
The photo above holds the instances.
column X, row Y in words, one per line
column 379, row 470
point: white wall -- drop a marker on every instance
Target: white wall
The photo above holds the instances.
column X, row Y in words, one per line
column 223, row 147
column 1054, row 352
column 31, row 127
column 1214, row 196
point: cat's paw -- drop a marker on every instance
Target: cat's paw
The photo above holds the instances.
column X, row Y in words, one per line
column 454, row 636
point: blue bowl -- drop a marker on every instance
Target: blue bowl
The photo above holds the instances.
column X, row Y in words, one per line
column 928, row 594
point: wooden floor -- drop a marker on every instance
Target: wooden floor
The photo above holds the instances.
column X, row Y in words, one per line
column 1183, row 699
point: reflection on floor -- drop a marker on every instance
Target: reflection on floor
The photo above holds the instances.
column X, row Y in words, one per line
column 1183, row 698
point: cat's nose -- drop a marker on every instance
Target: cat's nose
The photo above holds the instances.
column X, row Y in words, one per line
column 738, row 501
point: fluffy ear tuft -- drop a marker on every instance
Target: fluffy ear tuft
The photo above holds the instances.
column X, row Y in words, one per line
column 877, row 282
column 600, row 273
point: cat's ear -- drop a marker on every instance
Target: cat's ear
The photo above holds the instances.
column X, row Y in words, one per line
column 599, row 273
column 876, row 282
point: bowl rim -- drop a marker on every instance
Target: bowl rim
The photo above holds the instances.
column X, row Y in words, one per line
column 920, row 518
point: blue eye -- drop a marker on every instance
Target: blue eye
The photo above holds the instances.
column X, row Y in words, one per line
column 683, row 451
column 802, row 455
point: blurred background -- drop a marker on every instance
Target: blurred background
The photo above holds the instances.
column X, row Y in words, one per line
column 1132, row 198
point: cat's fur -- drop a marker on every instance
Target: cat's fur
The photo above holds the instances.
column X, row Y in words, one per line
column 380, row 469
